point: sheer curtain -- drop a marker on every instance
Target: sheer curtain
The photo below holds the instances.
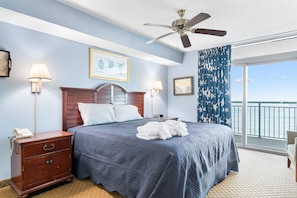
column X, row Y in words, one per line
column 214, row 96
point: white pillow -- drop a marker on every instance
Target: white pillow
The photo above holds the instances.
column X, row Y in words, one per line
column 126, row 112
column 92, row 113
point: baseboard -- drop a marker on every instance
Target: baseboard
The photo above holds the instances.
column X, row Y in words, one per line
column 262, row 149
column 4, row 183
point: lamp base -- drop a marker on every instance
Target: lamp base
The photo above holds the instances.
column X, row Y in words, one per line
column 36, row 87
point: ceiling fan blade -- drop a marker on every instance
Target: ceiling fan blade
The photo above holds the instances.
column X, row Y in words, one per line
column 198, row 18
column 185, row 40
column 158, row 25
column 209, row 31
column 155, row 39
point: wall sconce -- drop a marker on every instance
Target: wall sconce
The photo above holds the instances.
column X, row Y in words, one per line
column 39, row 73
column 157, row 86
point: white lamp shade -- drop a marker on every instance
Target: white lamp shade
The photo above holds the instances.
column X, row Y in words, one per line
column 157, row 85
column 40, row 72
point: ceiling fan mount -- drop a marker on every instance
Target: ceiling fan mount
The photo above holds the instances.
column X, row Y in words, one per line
column 181, row 13
column 182, row 25
column 179, row 25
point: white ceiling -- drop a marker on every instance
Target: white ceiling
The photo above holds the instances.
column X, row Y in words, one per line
column 245, row 21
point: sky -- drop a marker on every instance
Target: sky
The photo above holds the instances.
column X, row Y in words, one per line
column 266, row 82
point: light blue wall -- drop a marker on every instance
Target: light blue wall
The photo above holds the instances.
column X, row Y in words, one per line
column 68, row 63
column 184, row 107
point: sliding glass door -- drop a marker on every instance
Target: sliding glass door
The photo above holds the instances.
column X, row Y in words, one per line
column 236, row 99
column 264, row 104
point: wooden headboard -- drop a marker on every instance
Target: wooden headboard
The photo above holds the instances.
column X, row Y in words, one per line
column 103, row 94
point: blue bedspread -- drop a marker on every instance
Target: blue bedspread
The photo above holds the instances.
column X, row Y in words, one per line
column 112, row 155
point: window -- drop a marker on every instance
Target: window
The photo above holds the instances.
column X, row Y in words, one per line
column 271, row 103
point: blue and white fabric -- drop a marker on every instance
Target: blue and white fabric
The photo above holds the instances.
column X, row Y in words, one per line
column 214, row 95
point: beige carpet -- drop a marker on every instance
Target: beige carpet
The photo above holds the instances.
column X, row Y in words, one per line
column 261, row 176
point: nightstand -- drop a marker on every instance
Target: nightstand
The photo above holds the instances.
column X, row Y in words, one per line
column 169, row 118
column 41, row 161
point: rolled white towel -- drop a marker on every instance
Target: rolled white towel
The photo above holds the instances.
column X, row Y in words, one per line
column 181, row 130
column 164, row 132
column 147, row 137
column 171, row 127
column 153, row 130
column 177, row 127
column 150, row 128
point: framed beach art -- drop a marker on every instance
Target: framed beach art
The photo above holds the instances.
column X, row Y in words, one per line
column 183, row 86
column 5, row 63
column 108, row 66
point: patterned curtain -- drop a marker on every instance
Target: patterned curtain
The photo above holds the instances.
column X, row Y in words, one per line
column 214, row 102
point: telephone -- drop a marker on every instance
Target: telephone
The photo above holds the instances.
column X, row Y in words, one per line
column 22, row 133
column 18, row 133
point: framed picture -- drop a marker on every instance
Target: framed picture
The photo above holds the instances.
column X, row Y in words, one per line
column 5, row 63
column 183, row 86
column 108, row 66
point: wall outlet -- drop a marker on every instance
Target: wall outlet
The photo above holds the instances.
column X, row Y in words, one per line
column 158, row 115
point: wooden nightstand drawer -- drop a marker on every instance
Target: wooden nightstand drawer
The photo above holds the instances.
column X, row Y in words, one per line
column 34, row 162
column 38, row 170
column 44, row 147
column 35, row 176
column 41, row 161
column 61, row 164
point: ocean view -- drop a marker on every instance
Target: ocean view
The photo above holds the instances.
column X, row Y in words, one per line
column 272, row 99
column 265, row 119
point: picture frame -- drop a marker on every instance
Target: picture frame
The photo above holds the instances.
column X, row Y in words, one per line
column 183, row 86
column 5, row 63
column 108, row 66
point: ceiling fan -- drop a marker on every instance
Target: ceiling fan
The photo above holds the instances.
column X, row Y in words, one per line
column 181, row 26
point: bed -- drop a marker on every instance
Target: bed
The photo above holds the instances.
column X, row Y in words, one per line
column 111, row 154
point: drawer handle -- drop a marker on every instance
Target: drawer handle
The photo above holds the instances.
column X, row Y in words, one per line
column 53, row 146
column 49, row 161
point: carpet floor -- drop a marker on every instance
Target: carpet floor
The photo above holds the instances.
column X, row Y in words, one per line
column 261, row 175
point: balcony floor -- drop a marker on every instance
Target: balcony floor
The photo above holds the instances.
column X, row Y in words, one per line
column 263, row 142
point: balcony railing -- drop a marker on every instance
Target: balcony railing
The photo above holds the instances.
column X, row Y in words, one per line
column 265, row 119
